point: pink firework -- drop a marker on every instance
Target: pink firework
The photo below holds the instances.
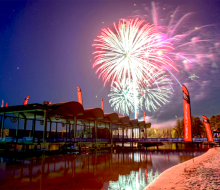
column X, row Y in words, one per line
column 135, row 51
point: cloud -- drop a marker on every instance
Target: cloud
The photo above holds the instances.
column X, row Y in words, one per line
column 170, row 123
column 149, row 119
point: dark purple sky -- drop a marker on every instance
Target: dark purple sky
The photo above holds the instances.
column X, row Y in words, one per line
column 46, row 51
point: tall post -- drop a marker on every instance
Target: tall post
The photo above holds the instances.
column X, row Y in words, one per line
column 33, row 125
column 66, row 131
column 3, row 122
column 50, row 128
column 132, row 133
column 56, row 129
column 105, row 132
column 139, row 132
column 50, row 123
column 132, row 137
column 75, row 127
column 123, row 136
column 17, row 128
column 145, row 132
column 136, row 133
column 25, row 124
column 45, row 130
column 95, row 133
column 111, row 135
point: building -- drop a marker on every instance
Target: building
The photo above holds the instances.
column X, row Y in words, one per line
column 96, row 126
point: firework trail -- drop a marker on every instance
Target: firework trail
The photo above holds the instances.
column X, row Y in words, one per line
column 192, row 44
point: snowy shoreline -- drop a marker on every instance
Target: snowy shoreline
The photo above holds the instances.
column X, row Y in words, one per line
column 191, row 173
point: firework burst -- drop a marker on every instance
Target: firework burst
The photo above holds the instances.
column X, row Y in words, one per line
column 122, row 97
column 134, row 51
column 157, row 93
column 154, row 94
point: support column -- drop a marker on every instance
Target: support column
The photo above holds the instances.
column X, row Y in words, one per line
column 3, row 122
column 95, row 133
column 132, row 137
column 111, row 135
column 33, row 125
column 139, row 132
column 0, row 123
column 136, row 133
column 17, row 128
column 105, row 132
column 50, row 128
column 123, row 136
column 145, row 132
column 56, row 129
column 45, row 130
column 25, row 124
column 66, row 132
column 75, row 127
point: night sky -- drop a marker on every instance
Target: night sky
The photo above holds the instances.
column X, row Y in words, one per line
column 46, row 51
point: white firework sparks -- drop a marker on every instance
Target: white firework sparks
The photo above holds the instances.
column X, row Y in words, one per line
column 157, row 93
column 122, row 97
column 133, row 52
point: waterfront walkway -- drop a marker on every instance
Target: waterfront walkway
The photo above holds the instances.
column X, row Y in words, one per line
column 202, row 172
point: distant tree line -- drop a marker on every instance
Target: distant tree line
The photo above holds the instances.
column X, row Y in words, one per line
column 198, row 128
column 158, row 133
column 215, row 122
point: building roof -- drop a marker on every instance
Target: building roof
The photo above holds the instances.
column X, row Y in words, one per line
column 134, row 122
column 67, row 108
column 65, row 111
column 141, row 124
column 124, row 120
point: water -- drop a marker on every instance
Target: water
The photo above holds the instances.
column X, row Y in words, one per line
column 97, row 170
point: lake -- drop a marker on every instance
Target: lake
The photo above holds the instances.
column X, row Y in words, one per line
column 105, row 169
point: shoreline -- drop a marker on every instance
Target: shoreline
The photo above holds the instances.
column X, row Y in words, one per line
column 180, row 176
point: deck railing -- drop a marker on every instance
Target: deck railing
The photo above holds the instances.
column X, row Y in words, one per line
column 54, row 140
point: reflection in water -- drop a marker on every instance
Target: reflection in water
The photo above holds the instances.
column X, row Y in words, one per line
column 92, row 171
column 135, row 180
